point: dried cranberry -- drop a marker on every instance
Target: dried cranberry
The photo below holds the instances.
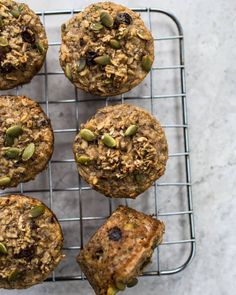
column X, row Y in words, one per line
column 27, row 253
column 7, row 68
column 115, row 234
column 90, row 55
column 28, row 35
column 122, row 18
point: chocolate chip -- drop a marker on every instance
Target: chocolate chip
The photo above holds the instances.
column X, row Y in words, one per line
column 122, row 18
column 28, row 36
column 27, row 253
column 115, row 234
column 90, row 55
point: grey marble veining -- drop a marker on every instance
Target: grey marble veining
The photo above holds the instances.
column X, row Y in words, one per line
column 210, row 43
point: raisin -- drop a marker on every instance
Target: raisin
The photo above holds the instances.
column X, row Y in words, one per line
column 115, row 234
column 122, row 18
column 7, row 68
column 81, row 42
column 90, row 55
column 3, row 52
column 27, row 253
column 28, row 36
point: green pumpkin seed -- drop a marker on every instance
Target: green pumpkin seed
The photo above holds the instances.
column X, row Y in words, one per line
column 109, row 141
column 115, row 44
column 68, row 72
column 9, row 140
column 40, row 47
column 96, row 26
column 15, row 12
column 5, row 180
column 14, row 131
column 87, row 134
column 28, row 152
column 120, row 286
column 131, row 130
column 37, row 211
column 13, row 276
column 132, row 283
column 143, row 35
column 139, row 178
column 3, row 249
column 147, row 63
column 102, row 60
column 106, row 19
column 21, row 7
column 12, row 153
column 84, row 160
column 81, row 65
column 3, row 42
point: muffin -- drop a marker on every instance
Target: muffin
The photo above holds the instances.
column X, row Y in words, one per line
column 121, row 151
column 26, row 140
column 23, row 44
column 30, row 242
column 106, row 49
column 119, row 250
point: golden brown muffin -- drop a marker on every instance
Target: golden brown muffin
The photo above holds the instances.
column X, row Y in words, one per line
column 106, row 49
column 119, row 250
column 26, row 140
column 23, row 44
column 31, row 241
column 121, row 151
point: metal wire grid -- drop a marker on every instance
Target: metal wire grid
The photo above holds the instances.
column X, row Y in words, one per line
column 186, row 153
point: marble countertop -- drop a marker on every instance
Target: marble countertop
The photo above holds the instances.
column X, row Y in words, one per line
column 210, row 53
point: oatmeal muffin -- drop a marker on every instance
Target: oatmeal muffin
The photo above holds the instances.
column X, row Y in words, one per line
column 31, row 241
column 26, row 140
column 23, row 44
column 119, row 250
column 106, row 49
column 121, row 151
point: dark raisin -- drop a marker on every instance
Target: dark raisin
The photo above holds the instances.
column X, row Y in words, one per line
column 42, row 122
column 90, row 55
column 27, row 253
column 115, row 234
column 122, row 18
column 28, row 35
column 81, row 42
column 33, row 225
column 7, row 68
column 98, row 253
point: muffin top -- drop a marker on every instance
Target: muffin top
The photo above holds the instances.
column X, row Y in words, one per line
column 30, row 242
column 106, row 49
column 121, row 151
column 23, row 44
column 26, row 140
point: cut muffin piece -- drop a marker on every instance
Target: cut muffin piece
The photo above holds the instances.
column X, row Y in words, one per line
column 118, row 251
column 26, row 140
column 121, row 151
column 30, row 242
column 23, row 44
column 106, row 49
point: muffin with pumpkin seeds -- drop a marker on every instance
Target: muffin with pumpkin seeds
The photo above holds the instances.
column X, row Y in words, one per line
column 106, row 49
column 23, row 44
column 26, row 140
column 31, row 242
column 121, row 151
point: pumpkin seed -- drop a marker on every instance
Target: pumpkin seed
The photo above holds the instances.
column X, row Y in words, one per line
column 120, row 286
column 14, row 131
column 115, row 44
column 5, row 180
column 3, row 249
column 37, row 211
column 28, row 152
column 9, row 140
column 147, row 63
column 132, row 283
column 12, row 153
column 102, row 60
column 63, row 28
column 106, row 19
column 131, row 130
column 87, row 135
column 96, row 26
column 15, row 12
column 13, row 276
column 143, row 35
column 3, row 42
column 81, row 64
column 21, row 7
column 112, row 291
column 84, row 160
column 108, row 140
column 40, row 47
column 139, row 178
column 68, row 72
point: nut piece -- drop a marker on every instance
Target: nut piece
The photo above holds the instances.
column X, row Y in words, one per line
column 131, row 130
column 5, row 180
column 37, row 211
column 96, row 26
column 115, row 44
column 108, row 140
column 84, row 160
column 102, row 60
column 12, row 153
column 28, row 152
column 87, row 135
column 147, row 63
column 106, row 19
column 132, row 283
column 14, row 131
column 3, row 249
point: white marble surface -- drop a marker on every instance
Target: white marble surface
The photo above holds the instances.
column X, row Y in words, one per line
column 209, row 28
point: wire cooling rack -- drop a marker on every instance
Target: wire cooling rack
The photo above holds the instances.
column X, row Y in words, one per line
column 80, row 209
